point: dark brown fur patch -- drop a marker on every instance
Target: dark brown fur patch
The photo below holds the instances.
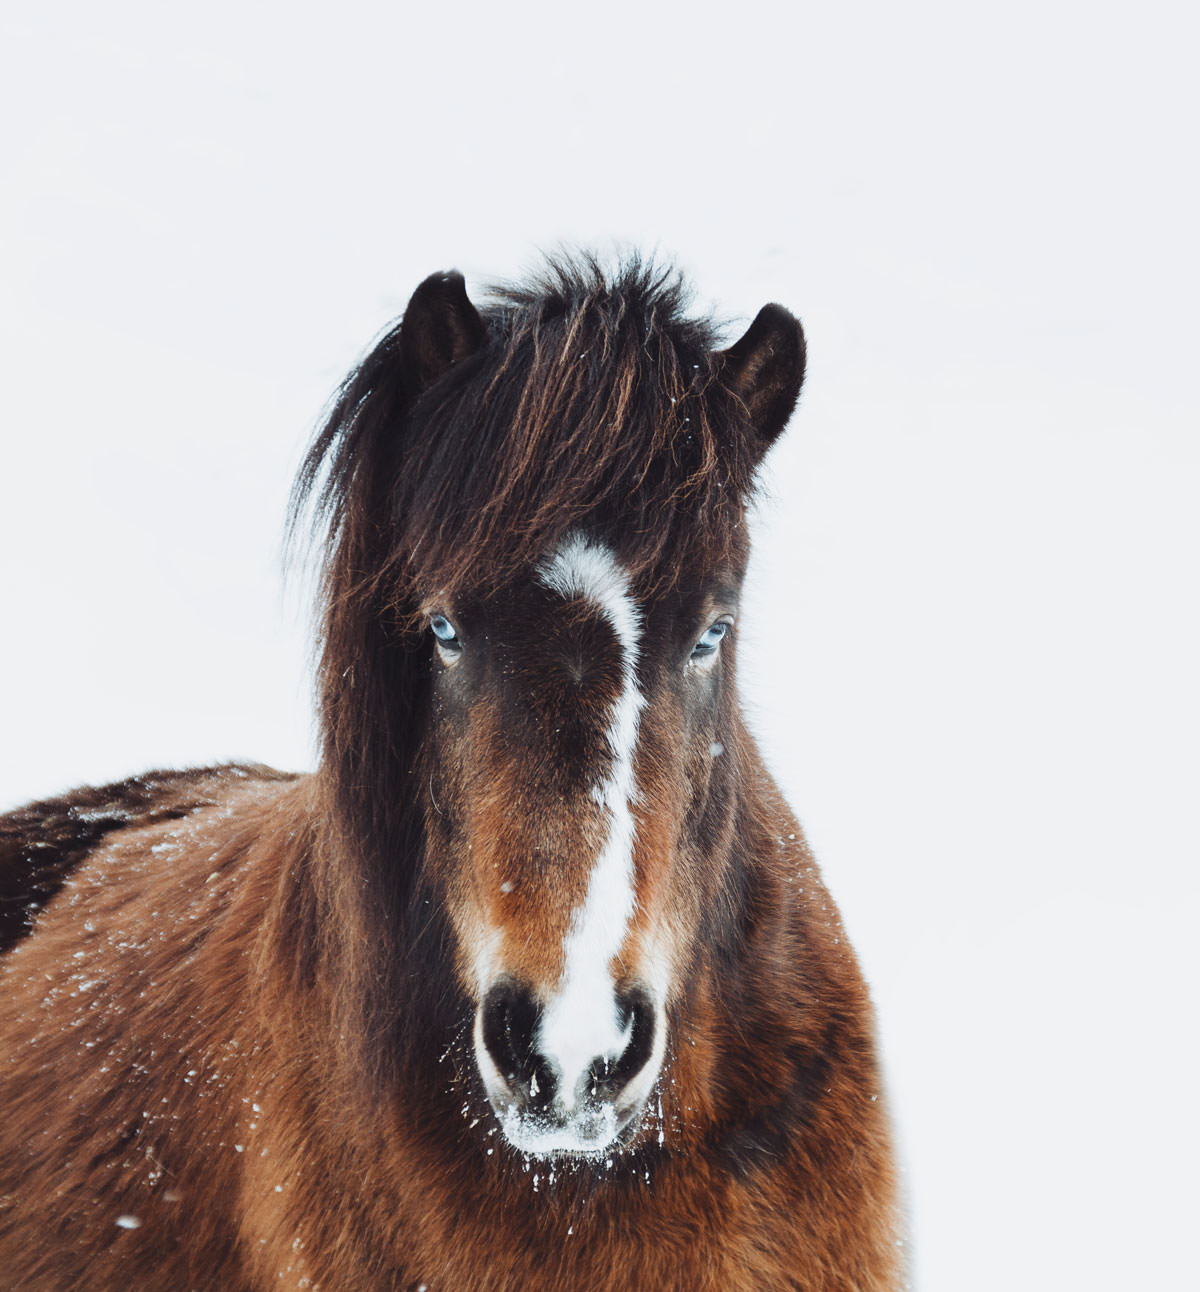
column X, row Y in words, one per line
column 41, row 843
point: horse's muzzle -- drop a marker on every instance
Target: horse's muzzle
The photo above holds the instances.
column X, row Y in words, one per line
column 543, row 1106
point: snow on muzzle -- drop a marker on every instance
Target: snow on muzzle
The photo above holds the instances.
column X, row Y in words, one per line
column 568, row 1077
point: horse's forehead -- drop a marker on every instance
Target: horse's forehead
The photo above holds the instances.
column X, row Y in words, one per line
column 579, row 568
column 588, row 577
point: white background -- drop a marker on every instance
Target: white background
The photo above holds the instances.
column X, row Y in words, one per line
column 972, row 635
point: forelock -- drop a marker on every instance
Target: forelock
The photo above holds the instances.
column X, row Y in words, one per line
column 593, row 406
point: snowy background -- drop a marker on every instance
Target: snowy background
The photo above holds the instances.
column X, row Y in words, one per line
column 972, row 640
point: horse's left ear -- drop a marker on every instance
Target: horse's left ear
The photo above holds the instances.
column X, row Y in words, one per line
column 439, row 328
column 765, row 370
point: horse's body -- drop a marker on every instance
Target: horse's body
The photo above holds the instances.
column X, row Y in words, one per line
column 534, row 983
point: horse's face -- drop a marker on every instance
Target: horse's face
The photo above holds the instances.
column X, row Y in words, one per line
column 576, row 789
column 576, row 800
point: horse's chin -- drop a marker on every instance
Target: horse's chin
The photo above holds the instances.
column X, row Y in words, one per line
column 591, row 1132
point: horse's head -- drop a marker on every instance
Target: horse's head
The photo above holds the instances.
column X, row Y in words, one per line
column 567, row 513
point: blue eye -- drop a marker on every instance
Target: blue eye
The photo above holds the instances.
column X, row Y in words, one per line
column 710, row 640
column 443, row 630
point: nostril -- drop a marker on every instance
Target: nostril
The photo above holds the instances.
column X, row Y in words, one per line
column 510, row 1022
column 601, row 1083
column 510, row 1017
column 607, row 1077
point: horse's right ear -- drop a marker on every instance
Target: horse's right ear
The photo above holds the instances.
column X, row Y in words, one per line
column 439, row 328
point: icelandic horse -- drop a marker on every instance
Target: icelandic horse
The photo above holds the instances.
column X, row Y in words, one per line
column 534, row 983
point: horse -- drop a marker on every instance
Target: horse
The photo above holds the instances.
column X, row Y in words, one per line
column 534, row 982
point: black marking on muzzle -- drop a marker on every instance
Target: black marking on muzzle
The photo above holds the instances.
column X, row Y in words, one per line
column 606, row 1079
column 511, row 1017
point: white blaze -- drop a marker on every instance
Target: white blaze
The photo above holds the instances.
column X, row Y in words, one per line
column 580, row 1023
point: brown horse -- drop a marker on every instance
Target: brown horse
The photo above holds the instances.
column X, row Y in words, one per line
column 534, row 983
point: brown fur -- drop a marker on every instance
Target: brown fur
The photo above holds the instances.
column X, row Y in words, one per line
column 243, row 1014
